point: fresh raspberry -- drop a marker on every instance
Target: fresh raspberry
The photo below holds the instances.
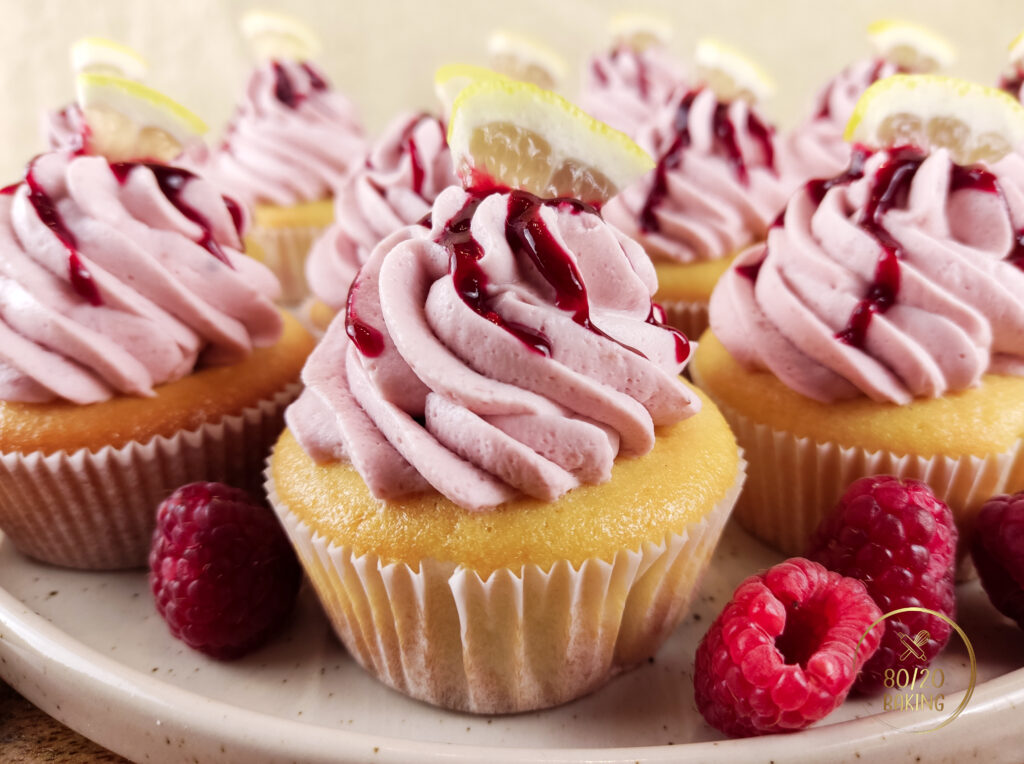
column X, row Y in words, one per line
column 900, row 540
column 221, row 569
column 998, row 552
column 783, row 653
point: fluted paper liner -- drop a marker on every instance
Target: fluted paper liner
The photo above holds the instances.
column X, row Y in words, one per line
column 691, row 318
column 793, row 482
column 97, row 510
column 284, row 251
column 516, row 640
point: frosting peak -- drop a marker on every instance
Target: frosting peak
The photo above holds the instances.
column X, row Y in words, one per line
column 511, row 348
column 392, row 187
column 900, row 278
column 291, row 140
column 118, row 278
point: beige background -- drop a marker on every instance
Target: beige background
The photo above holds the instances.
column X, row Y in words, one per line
column 383, row 52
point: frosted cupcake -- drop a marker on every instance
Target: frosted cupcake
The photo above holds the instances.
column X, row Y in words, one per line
column 393, row 187
column 139, row 349
column 499, row 486
column 288, row 146
column 816, row 148
column 716, row 189
column 628, row 84
column 880, row 329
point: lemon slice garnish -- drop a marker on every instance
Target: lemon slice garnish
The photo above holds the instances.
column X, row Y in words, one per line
column 976, row 123
column 97, row 54
column 639, row 31
column 452, row 79
column 129, row 121
column 277, row 35
column 1016, row 57
column 910, row 46
column 514, row 134
column 523, row 58
column 731, row 74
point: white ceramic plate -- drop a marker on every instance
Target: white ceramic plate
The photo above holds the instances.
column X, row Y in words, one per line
column 89, row 649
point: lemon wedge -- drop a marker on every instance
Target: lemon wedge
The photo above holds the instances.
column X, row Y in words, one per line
column 277, row 35
column 639, row 31
column 976, row 123
column 517, row 135
column 910, row 46
column 523, row 58
column 731, row 74
column 97, row 54
column 129, row 121
column 452, row 79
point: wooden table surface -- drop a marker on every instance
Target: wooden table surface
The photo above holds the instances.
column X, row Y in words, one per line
column 28, row 736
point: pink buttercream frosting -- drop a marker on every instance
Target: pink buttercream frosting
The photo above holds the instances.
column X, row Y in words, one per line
column 65, row 129
column 292, row 139
column 901, row 278
column 510, row 349
column 816, row 148
column 717, row 185
column 625, row 87
column 117, row 278
column 394, row 186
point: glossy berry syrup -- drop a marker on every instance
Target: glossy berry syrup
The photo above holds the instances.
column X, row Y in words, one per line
column 529, row 238
column 172, row 182
column 1012, row 83
column 408, row 143
column 79, row 276
column 284, row 91
column 367, row 340
column 724, row 140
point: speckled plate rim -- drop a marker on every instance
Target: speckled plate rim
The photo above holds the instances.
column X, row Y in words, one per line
column 146, row 719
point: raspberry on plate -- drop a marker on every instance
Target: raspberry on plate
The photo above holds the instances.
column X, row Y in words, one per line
column 900, row 540
column 221, row 569
column 783, row 653
column 998, row 553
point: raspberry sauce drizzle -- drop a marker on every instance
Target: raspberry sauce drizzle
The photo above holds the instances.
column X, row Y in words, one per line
column 367, row 340
column 1016, row 256
column 1013, row 82
column 316, row 81
column 81, row 280
column 172, row 182
column 890, row 187
column 409, row 143
column 724, row 138
column 283, row 89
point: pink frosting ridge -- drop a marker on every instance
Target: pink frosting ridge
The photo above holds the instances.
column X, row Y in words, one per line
column 717, row 185
column 394, row 187
column 510, row 349
column 65, row 128
column 625, row 87
column 816, row 148
column 291, row 140
column 900, row 278
column 117, row 278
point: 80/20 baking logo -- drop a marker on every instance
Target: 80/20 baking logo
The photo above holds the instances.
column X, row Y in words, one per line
column 921, row 689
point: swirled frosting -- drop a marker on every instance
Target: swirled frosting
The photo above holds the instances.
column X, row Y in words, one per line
column 65, row 129
column 716, row 187
column 625, row 87
column 393, row 187
column 816, row 148
column 510, row 349
column 115, row 278
column 900, row 278
column 291, row 140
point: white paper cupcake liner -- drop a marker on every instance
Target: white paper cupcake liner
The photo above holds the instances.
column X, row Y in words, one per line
column 97, row 510
column 284, row 251
column 794, row 482
column 691, row 318
column 516, row 640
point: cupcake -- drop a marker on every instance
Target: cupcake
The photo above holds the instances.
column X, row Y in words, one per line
column 500, row 488
column 716, row 188
column 880, row 329
column 289, row 145
column 629, row 83
column 140, row 350
column 816, row 147
column 66, row 127
column 394, row 186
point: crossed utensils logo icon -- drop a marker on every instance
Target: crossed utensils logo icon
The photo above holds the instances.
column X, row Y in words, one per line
column 914, row 645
